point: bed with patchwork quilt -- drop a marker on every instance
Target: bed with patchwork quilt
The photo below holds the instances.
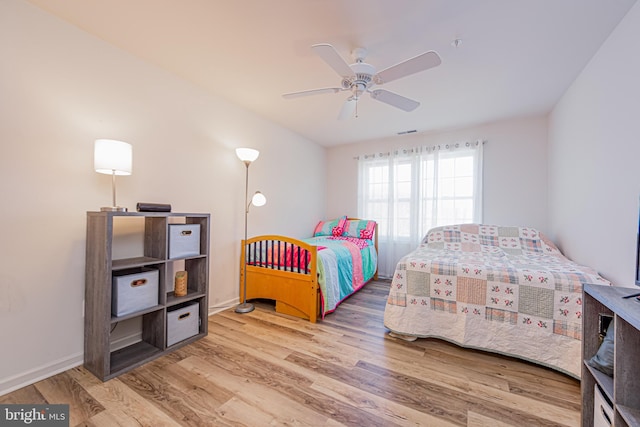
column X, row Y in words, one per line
column 310, row 277
column 507, row 290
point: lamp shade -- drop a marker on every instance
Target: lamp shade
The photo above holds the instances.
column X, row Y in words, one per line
column 247, row 154
column 112, row 157
column 258, row 199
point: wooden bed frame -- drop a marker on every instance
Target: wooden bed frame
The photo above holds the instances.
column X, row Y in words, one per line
column 294, row 288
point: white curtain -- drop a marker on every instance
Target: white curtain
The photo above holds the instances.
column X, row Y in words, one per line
column 410, row 191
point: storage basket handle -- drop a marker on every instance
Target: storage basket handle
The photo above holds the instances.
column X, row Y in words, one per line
column 138, row 282
column 184, row 316
column 185, row 233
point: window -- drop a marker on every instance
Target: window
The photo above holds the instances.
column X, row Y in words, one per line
column 447, row 195
column 411, row 191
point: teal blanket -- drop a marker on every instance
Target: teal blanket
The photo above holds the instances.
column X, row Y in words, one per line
column 345, row 265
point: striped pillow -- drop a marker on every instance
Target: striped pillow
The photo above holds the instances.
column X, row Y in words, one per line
column 330, row 228
column 360, row 229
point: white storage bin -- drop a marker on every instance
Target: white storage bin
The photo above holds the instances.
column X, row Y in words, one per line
column 184, row 240
column 183, row 323
column 134, row 292
column 602, row 410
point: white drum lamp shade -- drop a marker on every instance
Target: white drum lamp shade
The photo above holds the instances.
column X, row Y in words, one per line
column 112, row 157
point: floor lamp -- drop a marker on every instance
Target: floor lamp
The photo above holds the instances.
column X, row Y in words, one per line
column 248, row 155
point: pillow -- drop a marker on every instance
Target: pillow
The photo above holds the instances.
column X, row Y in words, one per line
column 603, row 359
column 330, row 228
column 360, row 229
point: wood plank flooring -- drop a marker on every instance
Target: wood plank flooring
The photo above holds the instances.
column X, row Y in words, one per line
column 266, row 369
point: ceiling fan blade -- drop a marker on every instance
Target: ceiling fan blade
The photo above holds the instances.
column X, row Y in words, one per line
column 394, row 100
column 311, row 92
column 347, row 108
column 333, row 58
column 410, row 66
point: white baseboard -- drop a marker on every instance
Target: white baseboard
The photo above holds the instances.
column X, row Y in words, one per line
column 126, row 341
column 50, row 369
column 223, row 306
column 37, row 374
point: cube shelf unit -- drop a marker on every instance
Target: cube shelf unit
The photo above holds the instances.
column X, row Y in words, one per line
column 99, row 359
column 623, row 390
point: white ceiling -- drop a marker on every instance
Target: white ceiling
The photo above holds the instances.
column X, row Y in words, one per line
column 517, row 56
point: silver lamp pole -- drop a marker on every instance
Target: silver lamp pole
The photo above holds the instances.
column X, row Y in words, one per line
column 245, row 307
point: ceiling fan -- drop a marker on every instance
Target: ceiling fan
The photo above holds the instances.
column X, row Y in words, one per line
column 361, row 77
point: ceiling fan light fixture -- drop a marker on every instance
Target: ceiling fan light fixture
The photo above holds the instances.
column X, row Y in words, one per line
column 362, row 68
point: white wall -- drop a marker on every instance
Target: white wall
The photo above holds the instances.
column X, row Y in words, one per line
column 515, row 169
column 60, row 89
column 594, row 153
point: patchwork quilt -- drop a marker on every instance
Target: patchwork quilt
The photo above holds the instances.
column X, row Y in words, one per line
column 507, row 290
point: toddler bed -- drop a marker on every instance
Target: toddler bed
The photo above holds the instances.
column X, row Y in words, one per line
column 308, row 278
column 507, row 290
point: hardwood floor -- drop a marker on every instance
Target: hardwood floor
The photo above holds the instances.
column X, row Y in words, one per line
column 266, row 369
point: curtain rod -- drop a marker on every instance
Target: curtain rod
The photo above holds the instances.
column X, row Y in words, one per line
column 425, row 148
